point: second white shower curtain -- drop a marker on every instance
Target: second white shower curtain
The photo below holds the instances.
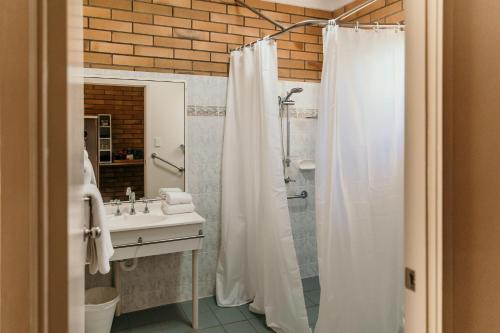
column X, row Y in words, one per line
column 257, row 261
column 359, row 181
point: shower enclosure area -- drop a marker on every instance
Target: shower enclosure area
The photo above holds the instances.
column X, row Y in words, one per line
column 298, row 125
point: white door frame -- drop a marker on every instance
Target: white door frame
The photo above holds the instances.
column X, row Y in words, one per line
column 42, row 251
column 424, row 171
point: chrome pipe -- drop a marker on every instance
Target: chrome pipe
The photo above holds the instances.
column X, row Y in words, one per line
column 354, row 10
column 161, row 241
column 258, row 12
column 287, row 161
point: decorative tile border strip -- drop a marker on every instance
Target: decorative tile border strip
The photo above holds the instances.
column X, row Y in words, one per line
column 206, row 111
column 220, row 111
column 303, row 113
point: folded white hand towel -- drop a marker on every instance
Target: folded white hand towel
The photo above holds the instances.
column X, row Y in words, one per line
column 178, row 198
column 176, row 209
column 99, row 250
column 164, row 190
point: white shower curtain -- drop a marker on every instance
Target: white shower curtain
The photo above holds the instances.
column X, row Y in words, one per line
column 257, row 261
column 359, row 181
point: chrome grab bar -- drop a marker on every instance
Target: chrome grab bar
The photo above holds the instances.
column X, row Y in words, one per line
column 155, row 156
column 302, row 195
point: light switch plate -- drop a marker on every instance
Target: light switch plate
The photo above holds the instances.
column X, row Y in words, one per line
column 157, row 142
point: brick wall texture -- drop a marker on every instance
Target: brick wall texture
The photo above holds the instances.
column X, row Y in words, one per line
column 195, row 36
column 126, row 106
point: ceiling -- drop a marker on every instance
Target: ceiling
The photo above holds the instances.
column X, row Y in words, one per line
column 318, row 4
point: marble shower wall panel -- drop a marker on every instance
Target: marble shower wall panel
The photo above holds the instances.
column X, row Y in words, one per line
column 302, row 211
column 167, row 279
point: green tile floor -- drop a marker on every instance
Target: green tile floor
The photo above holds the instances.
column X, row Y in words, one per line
column 176, row 318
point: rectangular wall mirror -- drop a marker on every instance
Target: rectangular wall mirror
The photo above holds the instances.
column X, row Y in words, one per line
column 135, row 135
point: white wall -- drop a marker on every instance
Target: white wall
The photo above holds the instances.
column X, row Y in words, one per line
column 164, row 134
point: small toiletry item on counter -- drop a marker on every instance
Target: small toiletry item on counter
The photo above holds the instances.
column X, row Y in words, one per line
column 128, row 154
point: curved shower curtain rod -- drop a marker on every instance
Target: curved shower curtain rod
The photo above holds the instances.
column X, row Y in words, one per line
column 322, row 23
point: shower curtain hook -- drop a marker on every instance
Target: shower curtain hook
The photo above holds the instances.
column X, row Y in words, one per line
column 377, row 28
column 357, row 26
column 398, row 29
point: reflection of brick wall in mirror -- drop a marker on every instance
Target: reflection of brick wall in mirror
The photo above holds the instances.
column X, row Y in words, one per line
column 125, row 104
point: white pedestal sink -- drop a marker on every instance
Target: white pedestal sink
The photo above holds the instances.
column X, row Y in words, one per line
column 142, row 235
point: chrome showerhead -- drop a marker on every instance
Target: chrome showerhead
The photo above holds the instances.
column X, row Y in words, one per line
column 291, row 92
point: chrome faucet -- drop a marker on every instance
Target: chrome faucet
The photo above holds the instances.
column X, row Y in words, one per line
column 146, row 208
column 131, row 198
column 117, row 203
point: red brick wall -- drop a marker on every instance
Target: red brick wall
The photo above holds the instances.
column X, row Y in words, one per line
column 113, row 181
column 195, row 36
column 126, row 106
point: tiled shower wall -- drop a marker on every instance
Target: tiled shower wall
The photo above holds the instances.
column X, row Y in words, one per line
column 166, row 279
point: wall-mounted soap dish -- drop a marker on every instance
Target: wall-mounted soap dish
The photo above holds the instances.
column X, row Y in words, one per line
column 305, row 165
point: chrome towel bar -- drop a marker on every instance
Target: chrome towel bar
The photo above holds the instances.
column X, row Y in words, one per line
column 141, row 243
column 155, row 156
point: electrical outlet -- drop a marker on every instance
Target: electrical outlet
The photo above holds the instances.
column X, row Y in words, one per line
column 410, row 279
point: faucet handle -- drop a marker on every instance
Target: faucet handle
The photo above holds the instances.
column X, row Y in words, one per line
column 117, row 203
column 128, row 191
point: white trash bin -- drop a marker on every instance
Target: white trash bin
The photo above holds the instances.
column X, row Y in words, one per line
column 100, row 306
